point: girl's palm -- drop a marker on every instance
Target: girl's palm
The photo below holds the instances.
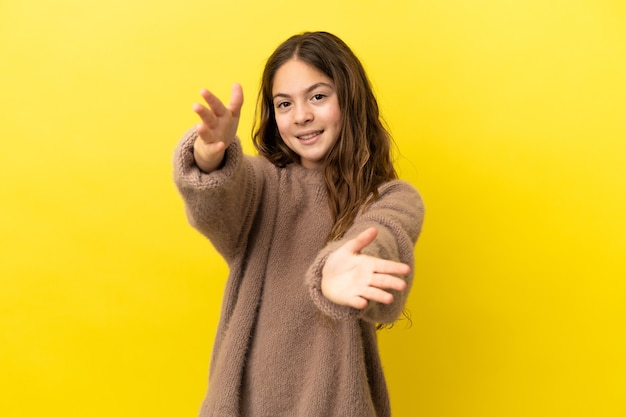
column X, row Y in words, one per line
column 352, row 279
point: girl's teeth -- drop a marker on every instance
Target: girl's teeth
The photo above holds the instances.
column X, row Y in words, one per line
column 309, row 136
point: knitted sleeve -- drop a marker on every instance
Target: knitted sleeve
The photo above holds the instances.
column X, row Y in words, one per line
column 398, row 214
column 220, row 205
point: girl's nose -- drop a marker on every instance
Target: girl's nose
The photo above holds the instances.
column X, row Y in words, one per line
column 303, row 114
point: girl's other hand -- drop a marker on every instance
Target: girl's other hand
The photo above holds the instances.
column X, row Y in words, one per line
column 352, row 279
column 217, row 129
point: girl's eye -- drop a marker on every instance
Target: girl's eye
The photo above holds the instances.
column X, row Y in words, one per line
column 318, row 97
column 282, row 105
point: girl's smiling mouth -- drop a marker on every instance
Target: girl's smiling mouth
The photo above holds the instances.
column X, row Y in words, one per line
column 309, row 135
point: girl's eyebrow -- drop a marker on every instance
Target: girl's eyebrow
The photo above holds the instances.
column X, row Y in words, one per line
column 308, row 90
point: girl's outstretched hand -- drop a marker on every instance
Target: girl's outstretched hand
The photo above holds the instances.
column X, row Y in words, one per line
column 352, row 279
column 217, row 129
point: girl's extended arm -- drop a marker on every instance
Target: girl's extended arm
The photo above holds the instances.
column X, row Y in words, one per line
column 359, row 275
column 217, row 182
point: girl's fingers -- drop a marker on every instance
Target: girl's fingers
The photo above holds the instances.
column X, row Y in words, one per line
column 214, row 103
column 218, row 119
column 236, row 100
column 205, row 133
column 388, row 282
column 382, row 266
column 377, row 295
column 359, row 303
column 206, row 115
column 362, row 240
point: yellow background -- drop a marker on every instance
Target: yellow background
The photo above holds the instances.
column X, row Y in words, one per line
column 510, row 117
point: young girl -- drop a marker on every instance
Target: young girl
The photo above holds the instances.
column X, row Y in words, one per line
column 317, row 231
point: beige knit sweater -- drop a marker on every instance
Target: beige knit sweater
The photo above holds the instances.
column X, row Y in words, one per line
column 282, row 349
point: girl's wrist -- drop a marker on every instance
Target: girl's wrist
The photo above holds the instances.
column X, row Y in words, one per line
column 208, row 166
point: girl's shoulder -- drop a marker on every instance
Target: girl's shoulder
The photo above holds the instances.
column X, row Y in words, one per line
column 397, row 196
column 398, row 188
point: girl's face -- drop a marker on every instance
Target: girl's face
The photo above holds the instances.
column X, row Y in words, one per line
column 307, row 111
